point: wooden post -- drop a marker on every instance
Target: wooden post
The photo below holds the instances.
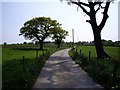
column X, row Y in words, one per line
column 23, row 63
column 89, row 54
column 73, row 37
column 76, row 52
column 80, row 52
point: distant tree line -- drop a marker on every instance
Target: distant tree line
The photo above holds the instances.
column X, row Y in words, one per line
column 91, row 43
column 104, row 43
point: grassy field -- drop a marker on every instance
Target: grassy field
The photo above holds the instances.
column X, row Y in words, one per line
column 22, row 74
column 112, row 51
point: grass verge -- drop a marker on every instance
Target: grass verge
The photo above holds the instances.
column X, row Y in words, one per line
column 104, row 72
column 22, row 73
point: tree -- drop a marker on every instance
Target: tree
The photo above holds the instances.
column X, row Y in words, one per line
column 38, row 29
column 59, row 34
column 5, row 43
column 94, row 6
column 24, row 42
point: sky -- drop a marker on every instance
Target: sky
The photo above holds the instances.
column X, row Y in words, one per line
column 16, row 12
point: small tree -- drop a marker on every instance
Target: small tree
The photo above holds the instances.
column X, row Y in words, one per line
column 24, row 42
column 58, row 35
column 38, row 29
column 5, row 43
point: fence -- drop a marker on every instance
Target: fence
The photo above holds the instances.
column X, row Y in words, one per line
column 115, row 64
column 40, row 55
column 80, row 52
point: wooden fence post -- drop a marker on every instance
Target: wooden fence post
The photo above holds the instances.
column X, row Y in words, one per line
column 80, row 52
column 23, row 63
column 76, row 52
column 89, row 54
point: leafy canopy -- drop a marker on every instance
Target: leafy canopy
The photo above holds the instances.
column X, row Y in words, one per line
column 38, row 28
column 59, row 33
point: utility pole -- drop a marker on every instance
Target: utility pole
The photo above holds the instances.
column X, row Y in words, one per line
column 73, row 36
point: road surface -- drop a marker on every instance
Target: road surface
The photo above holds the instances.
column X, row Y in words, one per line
column 60, row 71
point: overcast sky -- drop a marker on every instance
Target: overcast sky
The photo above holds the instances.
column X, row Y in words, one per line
column 16, row 12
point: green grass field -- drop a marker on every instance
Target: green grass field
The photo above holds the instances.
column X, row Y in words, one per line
column 14, row 75
column 112, row 51
column 14, row 52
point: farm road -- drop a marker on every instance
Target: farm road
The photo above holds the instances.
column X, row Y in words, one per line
column 60, row 71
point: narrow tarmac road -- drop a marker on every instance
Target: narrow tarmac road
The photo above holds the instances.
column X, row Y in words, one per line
column 60, row 71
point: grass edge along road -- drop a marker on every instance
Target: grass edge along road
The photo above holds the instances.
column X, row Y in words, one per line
column 105, row 72
column 22, row 72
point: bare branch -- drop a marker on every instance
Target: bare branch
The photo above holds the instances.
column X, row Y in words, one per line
column 106, row 7
column 105, row 16
column 89, row 21
column 84, row 10
column 85, row 4
column 97, row 9
column 97, row 3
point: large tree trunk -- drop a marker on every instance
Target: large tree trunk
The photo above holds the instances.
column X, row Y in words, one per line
column 58, row 42
column 41, row 44
column 101, row 54
column 58, row 45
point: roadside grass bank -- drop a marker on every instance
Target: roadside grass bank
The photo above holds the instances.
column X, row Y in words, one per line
column 105, row 72
column 22, row 64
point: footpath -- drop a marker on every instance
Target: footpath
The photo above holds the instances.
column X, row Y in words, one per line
column 60, row 71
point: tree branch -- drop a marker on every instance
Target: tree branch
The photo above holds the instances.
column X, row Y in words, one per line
column 105, row 16
column 97, row 9
column 97, row 3
column 89, row 21
column 84, row 10
column 85, row 4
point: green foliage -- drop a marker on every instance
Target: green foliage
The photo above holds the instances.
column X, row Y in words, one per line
column 38, row 28
column 107, row 43
column 12, row 66
column 59, row 34
column 100, row 70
